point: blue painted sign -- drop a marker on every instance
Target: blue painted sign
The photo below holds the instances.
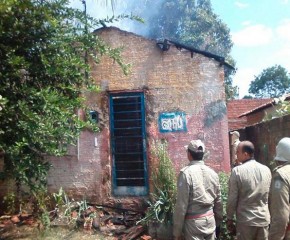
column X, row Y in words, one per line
column 172, row 122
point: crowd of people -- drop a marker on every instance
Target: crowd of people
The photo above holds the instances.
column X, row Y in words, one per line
column 258, row 204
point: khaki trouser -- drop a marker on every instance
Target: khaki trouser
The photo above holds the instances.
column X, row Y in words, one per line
column 200, row 228
column 245, row 232
column 287, row 234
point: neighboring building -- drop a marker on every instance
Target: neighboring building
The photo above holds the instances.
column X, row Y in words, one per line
column 264, row 111
column 265, row 136
column 237, row 121
column 238, row 107
column 247, row 117
column 173, row 93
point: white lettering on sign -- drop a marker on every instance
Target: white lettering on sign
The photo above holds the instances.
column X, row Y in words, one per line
column 170, row 124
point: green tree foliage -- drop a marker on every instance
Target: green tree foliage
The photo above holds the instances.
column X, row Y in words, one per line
column 271, row 82
column 191, row 22
column 248, row 97
column 282, row 108
column 42, row 72
column 231, row 91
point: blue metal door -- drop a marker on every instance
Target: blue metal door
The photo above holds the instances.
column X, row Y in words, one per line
column 127, row 121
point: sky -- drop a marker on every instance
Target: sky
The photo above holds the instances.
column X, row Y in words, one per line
column 260, row 30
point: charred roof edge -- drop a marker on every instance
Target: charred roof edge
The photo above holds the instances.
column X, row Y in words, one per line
column 205, row 53
column 178, row 45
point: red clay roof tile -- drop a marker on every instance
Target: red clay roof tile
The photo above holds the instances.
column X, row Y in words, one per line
column 237, row 107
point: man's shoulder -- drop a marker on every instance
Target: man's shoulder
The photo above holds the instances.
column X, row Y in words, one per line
column 210, row 169
column 202, row 167
column 282, row 172
column 184, row 169
column 282, row 169
column 251, row 165
column 263, row 166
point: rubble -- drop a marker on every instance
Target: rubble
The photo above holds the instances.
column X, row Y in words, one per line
column 111, row 222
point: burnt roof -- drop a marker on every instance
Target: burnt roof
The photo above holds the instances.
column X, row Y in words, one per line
column 204, row 53
column 169, row 42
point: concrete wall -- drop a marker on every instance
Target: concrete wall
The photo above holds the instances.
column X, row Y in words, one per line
column 172, row 81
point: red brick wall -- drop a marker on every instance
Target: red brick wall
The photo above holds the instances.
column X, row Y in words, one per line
column 255, row 117
column 171, row 81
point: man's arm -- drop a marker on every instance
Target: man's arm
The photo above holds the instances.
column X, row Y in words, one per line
column 181, row 205
column 232, row 196
column 279, row 208
column 218, row 206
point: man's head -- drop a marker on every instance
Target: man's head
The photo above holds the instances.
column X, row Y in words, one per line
column 235, row 135
column 195, row 150
column 245, row 151
column 283, row 151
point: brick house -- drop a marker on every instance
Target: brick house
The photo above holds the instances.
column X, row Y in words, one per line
column 173, row 93
column 257, row 114
column 264, row 134
column 238, row 107
column 247, row 117
column 246, row 112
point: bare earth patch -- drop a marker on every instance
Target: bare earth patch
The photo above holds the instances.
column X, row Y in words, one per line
column 30, row 232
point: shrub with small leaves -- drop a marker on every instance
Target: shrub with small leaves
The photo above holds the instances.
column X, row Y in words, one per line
column 161, row 204
column 224, row 180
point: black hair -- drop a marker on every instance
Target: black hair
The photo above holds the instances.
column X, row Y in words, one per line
column 196, row 155
column 248, row 147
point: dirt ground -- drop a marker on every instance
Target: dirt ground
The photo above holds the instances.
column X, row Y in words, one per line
column 28, row 232
column 105, row 225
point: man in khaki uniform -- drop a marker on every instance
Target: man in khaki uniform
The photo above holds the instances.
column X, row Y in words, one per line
column 249, row 186
column 280, row 192
column 198, row 208
column 235, row 140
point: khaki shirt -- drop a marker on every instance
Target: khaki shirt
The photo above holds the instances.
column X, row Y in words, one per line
column 279, row 203
column 234, row 151
column 198, row 191
column 249, row 186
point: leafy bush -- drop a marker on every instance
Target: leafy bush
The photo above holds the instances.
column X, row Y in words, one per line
column 161, row 205
column 224, row 180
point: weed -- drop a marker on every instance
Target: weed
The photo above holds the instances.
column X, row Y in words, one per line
column 224, row 180
column 161, row 205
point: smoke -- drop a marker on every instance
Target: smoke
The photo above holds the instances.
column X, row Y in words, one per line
column 146, row 9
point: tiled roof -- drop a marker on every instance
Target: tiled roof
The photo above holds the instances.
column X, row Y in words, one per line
column 259, row 108
column 238, row 107
column 266, row 104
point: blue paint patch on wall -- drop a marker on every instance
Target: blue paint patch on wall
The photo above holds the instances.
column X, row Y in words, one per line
column 172, row 122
